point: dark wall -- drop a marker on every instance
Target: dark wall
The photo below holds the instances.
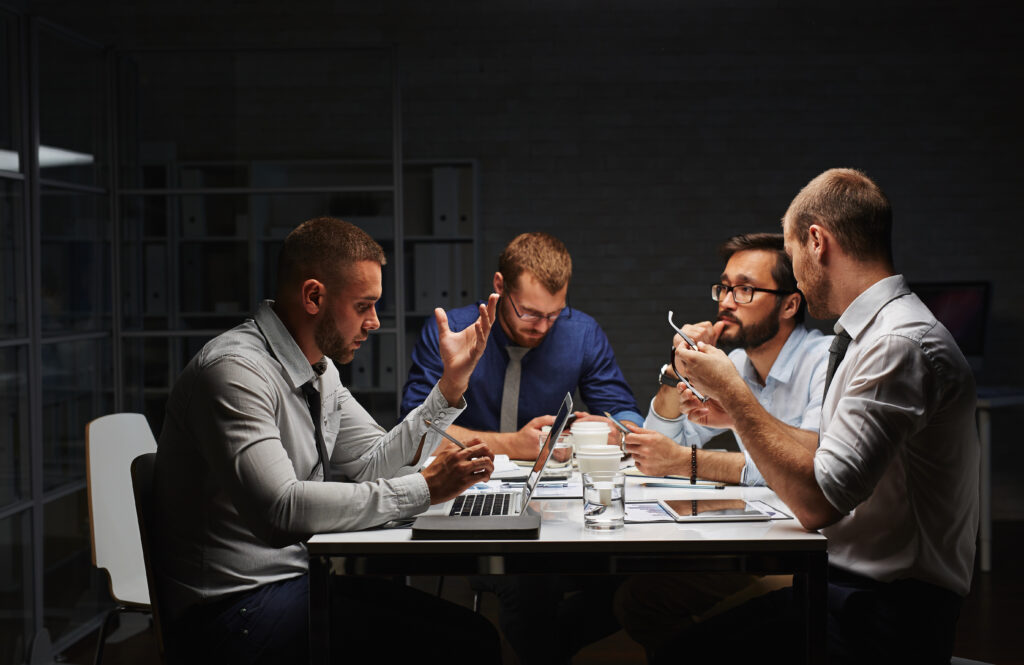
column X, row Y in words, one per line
column 644, row 133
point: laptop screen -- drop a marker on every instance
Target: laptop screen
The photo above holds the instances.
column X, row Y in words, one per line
column 549, row 445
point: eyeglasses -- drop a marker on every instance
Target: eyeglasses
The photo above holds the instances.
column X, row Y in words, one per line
column 742, row 294
column 532, row 317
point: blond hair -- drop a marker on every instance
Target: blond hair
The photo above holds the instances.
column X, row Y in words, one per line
column 542, row 255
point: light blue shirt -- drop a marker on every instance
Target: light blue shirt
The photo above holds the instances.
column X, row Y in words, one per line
column 792, row 393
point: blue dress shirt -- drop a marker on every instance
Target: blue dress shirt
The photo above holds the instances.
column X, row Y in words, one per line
column 574, row 354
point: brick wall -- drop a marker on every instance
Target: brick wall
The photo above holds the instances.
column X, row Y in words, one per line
column 644, row 133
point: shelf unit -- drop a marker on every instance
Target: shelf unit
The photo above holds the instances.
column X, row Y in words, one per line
column 200, row 243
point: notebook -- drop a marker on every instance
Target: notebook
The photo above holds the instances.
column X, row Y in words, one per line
column 453, row 520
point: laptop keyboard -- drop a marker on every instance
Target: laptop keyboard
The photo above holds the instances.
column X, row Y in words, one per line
column 497, row 503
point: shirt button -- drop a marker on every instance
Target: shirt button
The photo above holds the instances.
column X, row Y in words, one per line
column 245, row 631
column 242, row 611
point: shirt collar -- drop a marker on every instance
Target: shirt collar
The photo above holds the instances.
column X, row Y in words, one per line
column 862, row 311
column 283, row 345
column 782, row 368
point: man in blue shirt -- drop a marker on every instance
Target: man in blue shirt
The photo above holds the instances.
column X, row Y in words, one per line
column 760, row 315
column 562, row 350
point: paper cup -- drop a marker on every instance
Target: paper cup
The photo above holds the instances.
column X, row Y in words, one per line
column 590, row 434
column 592, row 460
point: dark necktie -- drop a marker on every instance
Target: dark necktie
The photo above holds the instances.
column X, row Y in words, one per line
column 835, row 356
column 313, row 402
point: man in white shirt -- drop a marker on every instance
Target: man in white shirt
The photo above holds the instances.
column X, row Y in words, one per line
column 255, row 425
column 760, row 315
column 892, row 481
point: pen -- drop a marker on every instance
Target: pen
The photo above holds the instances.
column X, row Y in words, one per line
column 437, row 428
column 704, row 486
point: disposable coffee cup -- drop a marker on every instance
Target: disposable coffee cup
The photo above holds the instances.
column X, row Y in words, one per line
column 596, row 459
column 588, row 434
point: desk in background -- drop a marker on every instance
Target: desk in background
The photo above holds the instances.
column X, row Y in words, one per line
column 565, row 547
column 990, row 398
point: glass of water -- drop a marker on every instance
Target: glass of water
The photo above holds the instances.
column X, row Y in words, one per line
column 604, row 500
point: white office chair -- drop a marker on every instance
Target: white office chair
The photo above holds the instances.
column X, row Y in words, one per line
column 111, row 443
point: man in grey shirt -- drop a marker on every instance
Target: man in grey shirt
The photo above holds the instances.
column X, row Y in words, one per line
column 254, row 424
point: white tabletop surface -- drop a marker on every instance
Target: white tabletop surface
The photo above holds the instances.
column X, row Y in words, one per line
column 562, row 529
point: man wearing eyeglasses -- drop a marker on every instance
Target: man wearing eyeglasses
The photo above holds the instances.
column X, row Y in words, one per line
column 557, row 348
column 760, row 317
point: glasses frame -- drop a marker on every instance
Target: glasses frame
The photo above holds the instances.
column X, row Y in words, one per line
column 753, row 289
column 550, row 318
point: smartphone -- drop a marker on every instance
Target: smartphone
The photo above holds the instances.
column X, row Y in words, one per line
column 440, row 430
column 693, row 345
column 622, row 428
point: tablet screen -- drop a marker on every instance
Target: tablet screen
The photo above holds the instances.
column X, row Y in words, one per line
column 713, row 510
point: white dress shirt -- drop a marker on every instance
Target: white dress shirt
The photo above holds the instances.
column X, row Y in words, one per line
column 899, row 447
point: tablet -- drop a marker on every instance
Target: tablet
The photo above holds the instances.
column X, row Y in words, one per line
column 713, row 510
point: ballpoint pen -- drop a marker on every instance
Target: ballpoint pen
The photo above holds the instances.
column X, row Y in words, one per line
column 437, row 428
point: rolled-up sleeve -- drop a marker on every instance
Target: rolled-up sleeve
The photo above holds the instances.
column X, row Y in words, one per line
column 878, row 412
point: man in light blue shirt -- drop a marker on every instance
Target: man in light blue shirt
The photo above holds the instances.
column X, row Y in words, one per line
column 760, row 315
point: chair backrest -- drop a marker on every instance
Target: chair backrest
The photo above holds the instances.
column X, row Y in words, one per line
column 111, row 443
column 145, row 505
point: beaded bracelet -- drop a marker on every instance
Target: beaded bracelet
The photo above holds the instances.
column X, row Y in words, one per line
column 693, row 465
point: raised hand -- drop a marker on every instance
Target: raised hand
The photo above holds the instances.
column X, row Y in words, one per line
column 460, row 351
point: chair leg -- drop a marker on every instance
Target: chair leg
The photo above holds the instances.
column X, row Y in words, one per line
column 440, row 586
column 476, row 601
column 102, row 638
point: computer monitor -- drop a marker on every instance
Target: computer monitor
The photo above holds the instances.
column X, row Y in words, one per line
column 963, row 307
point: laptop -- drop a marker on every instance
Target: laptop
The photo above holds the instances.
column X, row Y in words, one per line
column 480, row 515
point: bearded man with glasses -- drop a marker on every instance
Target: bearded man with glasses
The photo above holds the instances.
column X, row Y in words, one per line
column 760, row 318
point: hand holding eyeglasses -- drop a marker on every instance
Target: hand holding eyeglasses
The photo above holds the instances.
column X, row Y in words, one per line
column 693, row 345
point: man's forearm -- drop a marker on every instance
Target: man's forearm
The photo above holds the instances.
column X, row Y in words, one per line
column 666, row 403
column 785, row 457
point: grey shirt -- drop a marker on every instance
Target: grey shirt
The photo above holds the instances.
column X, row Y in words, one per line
column 237, row 484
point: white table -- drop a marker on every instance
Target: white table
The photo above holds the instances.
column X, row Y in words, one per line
column 566, row 547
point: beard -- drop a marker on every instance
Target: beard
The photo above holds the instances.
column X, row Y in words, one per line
column 816, row 287
column 753, row 335
column 330, row 341
column 515, row 335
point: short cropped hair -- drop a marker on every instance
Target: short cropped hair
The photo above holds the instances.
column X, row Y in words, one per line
column 852, row 207
column 324, row 248
column 782, row 271
column 540, row 254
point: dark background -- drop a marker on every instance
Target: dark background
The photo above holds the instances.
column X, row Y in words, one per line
column 645, row 133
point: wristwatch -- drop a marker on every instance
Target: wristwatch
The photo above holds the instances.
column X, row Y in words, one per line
column 666, row 379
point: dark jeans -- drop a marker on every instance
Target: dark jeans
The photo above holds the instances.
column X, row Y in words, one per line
column 868, row 622
column 375, row 620
column 548, row 618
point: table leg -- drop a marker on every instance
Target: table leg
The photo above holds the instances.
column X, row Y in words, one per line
column 319, row 610
column 985, row 528
column 816, row 608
